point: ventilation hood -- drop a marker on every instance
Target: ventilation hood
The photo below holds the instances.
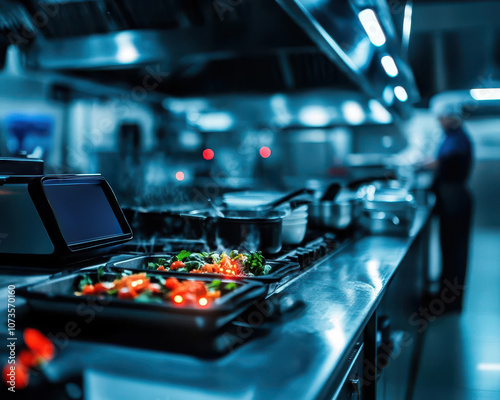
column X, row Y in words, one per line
column 197, row 47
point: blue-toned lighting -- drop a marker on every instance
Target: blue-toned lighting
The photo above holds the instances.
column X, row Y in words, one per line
column 315, row 116
column 353, row 112
column 485, row 94
column 401, row 93
column 379, row 113
column 489, row 367
column 389, row 65
column 127, row 52
column 372, row 27
column 190, row 139
column 217, row 121
column 407, row 23
column 388, row 95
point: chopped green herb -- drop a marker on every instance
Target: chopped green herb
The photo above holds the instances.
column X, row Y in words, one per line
column 214, row 285
column 183, row 254
column 148, row 297
column 84, row 282
column 231, row 286
column 152, row 265
column 233, row 253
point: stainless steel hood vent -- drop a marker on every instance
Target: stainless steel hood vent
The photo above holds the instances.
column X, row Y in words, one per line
column 274, row 45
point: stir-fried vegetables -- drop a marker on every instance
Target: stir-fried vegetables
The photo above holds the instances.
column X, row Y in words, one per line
column 234, row 264
column 143, row 288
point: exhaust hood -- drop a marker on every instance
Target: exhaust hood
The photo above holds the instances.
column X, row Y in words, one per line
column 208, row 47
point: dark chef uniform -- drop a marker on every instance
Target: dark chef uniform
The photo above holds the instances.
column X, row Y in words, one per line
column 454, row 206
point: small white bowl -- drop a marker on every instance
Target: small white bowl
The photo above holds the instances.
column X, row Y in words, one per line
column 294, row 233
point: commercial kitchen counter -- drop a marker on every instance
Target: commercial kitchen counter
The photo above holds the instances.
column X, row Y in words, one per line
column 298, row 356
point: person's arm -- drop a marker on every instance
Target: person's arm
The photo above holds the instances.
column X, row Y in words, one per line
column 428, row 165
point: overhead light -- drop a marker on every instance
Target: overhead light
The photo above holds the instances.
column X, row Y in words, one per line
column 389, row 65
column 372, row 27
column 379, row 112
column 401, row 93
column 127, row 52
column 407, row 23
column 488, row 367
column 215, row 122
column 314, row 116
column 179, row 106
column 353, row 112
column 388, row 95
column 485, row 94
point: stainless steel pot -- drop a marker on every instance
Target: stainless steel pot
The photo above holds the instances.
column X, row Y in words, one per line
column 337, row 215
column 150, row 222
column 389, row 211
column 248, row 230
column 340, row 207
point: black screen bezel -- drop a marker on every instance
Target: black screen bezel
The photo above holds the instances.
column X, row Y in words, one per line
column 49, row 217
column 86, row 244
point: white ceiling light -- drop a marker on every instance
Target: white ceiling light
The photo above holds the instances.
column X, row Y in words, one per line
column 353, row 112
column 407, row 23
column 389, row 65
column 401, row 93
column 215, row 122
column 488, row 367
column 314, row 116
column 485, row 94
column 379, row 113
column 127, row 52
column 372, row 27
column 388, row 94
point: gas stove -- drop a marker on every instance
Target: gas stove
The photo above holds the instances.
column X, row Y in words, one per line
column 314, row 247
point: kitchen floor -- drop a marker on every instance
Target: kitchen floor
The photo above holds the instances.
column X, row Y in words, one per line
column 460, row 359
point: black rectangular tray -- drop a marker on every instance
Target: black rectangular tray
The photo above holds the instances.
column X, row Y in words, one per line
column 56, row 295
column 282, row 271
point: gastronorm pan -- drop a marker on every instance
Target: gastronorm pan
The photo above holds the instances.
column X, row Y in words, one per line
column 56, row 295
column 281, row 272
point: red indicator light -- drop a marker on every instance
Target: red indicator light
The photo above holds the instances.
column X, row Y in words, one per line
column 179, row 176
column 208, row 154
column 265, row 152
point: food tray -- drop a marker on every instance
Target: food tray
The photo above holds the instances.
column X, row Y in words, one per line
column 56, row 295
column 282, row 271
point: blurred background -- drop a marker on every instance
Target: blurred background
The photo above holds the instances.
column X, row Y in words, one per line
column 178, row 101
column 244, row 94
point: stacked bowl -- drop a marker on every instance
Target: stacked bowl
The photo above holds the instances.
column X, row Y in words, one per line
column 294, row 223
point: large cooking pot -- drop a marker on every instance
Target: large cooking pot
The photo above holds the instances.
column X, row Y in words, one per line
column 248, row 230
column 389, row 210
column 336, row 215
column 153, row 221
column 339, row 208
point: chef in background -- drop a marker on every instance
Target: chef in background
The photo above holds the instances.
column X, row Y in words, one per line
column 454, row 201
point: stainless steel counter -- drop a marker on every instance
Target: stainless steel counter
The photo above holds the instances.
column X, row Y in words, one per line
column 293, row 359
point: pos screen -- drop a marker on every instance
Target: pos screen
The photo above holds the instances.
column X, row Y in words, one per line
column 83, row 211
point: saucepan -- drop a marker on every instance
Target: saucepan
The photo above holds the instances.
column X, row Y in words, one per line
column 258, row 229
column 339, row 212
column 147, row 222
